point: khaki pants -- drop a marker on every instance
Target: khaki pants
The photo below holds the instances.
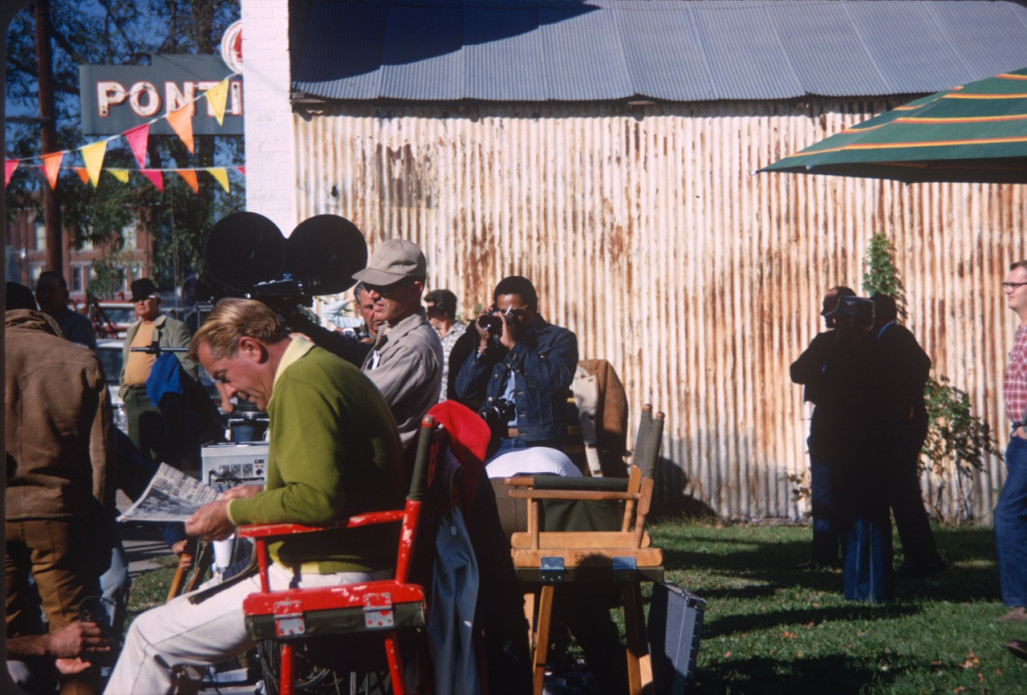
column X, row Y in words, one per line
column 59, row 555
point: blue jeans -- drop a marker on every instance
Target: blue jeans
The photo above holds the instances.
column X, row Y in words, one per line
column 826, row 528
column 867, row 574
column 1011, row 526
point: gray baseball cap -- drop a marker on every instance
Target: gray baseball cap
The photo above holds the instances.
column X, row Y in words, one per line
column 392, row 261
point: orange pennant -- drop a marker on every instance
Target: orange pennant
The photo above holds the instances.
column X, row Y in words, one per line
column 52, row 167
column 181, row 121
column 83, row 174
column 189, row 176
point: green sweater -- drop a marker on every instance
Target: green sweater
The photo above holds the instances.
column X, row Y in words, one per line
column 334, row 452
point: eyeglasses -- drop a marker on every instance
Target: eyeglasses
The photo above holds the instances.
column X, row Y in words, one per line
column 386, row 290
column 1009, row 286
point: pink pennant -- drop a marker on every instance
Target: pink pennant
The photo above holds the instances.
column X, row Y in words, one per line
column 137, row 138
column 155, row 176
column 9, row 166
column 241, row 170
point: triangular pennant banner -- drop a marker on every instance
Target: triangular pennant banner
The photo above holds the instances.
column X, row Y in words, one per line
column 52, row 167
column 220, row 175
column 9, row 166
column 119, row 174
column 216, row 97
column 182, row 123
column 82, row 174
column 189, row 176
column 241, row 170
column 137, row 138
column 156, row 178
column 92, row 155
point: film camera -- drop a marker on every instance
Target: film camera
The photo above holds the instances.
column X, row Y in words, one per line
column 498, row 414
column 494, row 324
column 248, row 256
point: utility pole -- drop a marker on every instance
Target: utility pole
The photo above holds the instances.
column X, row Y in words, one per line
column 51, row 201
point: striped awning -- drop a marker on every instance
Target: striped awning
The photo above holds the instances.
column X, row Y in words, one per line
column 976, row 132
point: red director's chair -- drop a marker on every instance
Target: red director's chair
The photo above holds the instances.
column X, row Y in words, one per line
column 380, row 609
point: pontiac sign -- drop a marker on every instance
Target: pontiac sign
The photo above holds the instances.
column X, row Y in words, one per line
column 116, row 98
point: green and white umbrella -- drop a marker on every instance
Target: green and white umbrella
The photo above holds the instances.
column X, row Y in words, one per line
column 973, row 133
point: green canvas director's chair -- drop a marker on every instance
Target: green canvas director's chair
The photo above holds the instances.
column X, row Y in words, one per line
column 591, row 530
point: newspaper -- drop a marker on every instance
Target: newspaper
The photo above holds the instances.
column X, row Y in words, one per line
column 171, row 496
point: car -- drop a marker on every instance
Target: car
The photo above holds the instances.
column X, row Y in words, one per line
column 111, row 319
column 111, row 356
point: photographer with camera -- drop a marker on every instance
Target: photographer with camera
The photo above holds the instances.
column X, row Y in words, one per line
column 522, row 368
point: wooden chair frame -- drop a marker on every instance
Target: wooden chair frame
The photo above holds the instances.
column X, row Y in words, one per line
column 625, row 556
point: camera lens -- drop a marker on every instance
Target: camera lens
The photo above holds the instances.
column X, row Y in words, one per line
column 490, row 323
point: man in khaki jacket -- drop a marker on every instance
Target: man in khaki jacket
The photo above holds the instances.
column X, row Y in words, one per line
column 60, row 471
column 145, row 426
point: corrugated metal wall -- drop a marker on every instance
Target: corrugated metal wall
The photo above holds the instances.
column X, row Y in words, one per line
column 646, row 233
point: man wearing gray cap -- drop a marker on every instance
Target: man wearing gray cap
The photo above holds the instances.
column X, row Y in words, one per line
column 405, row 362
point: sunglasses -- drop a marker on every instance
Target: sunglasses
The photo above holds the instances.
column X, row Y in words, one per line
column 387, row 290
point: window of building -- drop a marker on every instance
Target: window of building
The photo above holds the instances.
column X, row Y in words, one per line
column 78, row 278
column 128, row 233
column 40, row 236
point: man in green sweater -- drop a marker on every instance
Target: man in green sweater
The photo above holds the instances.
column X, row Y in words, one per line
column 334, row 452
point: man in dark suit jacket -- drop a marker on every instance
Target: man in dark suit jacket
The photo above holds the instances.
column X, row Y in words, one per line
column 905, row 368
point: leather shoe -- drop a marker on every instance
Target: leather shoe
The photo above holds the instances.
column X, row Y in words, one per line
column 1017, row 647
column 1017, row 615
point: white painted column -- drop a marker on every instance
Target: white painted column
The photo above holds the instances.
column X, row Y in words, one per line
column 267, row 118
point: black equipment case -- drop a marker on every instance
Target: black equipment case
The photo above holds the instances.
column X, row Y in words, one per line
column 675, row 626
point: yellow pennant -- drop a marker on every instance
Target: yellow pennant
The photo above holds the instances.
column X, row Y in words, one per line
column 119, row 174
column 220, row 175
column 93, row 157
column 181, row 121
column 217, row 96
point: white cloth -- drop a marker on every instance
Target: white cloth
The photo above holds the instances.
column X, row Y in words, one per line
column 534, row 460
column 164, row 640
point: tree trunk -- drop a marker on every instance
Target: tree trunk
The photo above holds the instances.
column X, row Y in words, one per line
column 51, row 200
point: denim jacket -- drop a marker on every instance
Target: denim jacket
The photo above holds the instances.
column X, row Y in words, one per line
column 543, row 363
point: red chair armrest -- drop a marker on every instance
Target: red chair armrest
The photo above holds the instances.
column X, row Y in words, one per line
column 282, row 530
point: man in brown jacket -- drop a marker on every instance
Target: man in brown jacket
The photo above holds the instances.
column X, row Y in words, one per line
column 59, row 472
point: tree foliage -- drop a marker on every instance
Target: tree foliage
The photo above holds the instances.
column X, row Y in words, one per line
column 121, row 32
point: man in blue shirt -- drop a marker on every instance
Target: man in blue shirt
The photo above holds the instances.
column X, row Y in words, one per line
column 52, row 295
column 523, row 369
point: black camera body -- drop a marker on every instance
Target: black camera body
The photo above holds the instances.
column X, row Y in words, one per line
column 498, row 414
column 494, row 324
column 490, row 323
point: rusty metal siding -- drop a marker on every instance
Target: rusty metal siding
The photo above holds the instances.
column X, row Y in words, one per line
column 647, row 234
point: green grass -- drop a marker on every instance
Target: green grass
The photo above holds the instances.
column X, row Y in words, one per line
column 151, row 589
column 770, row 628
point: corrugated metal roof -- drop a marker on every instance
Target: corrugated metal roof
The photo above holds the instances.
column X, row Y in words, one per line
column 675, row 50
